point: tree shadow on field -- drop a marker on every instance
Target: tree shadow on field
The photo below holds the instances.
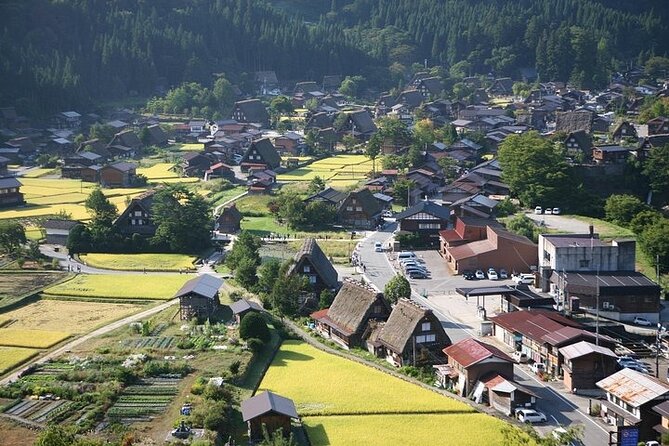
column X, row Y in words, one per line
column 316, row 434
column 285, row 356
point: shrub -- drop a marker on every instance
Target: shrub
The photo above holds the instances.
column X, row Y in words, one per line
column 595, row 410
column 253, row 326
column 218, row 393
column 198, row 386
column 234, row 367
column 255, row 344
column 215, row 419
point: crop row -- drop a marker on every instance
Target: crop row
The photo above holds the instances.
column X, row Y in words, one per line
column 36, row 410
column 163, row 342
column 151, row 390
column 144, row 399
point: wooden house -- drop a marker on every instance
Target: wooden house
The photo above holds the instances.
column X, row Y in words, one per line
column 501, row 87
column 242, row 307
column 663, row 409
column 156, row 135
column 250, row 111
column 199, row 297
column 624, row 130
column 311, row 262
column 586, row 363
column 412, row 336
column 658, row 126
column 429, row 86
column 119, row 174
column 359, row 210
column 630, row 398
column 270, row 410
column 425, row 219
column 4, row 164
column 503, row 394
column 229, row 221
column 57, row 230
column 611, row 154
column 126, row 138
column 195, row 164
column 578, row 144
column 358, row 123
column 473, row 359
column 137, row 218
column 261, row 153
column 347, row 319
column 329, row 196
column 10, row 192
column 90, row 174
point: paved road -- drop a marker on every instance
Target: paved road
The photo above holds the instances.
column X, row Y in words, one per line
column 100, row 331
column 561, row 409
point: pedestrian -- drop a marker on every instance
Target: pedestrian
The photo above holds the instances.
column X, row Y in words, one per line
column 78, row 268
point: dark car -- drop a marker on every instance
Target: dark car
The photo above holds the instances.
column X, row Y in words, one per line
column 468, row 275
column 416, row 274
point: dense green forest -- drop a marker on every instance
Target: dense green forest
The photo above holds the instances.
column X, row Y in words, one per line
column 61, row 54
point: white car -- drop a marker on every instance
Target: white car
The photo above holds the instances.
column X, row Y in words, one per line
column 642, row 321
column 492, row 274
column 531, row 416
column 556, row 211
column 548, row 211
column 537, row 368
column 378, row 247
column 538, row 210
column 503, row 274
column 526, row 279
column 479, row 274
column 519, row 357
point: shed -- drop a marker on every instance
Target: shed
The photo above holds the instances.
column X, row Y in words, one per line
column 199, row 297
column 243, row 306
column 268, row 409
column 57, row 231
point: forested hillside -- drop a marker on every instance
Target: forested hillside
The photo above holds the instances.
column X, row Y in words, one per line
column 61, row 54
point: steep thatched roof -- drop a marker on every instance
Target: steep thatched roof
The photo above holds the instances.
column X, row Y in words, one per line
column 318, row 260
column 401, row 324
column 573, row 121
column 351, row 305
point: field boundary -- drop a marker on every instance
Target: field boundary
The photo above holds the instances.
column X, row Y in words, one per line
column 100, row 299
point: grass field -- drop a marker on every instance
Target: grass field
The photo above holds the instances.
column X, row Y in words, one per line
column 81, row 316
column 420, row 429
column 338, row 387
column 20, row 337
column 351, row 168
column 351, row 403
column 139, row 262
column 11, row 357
column 120, row 286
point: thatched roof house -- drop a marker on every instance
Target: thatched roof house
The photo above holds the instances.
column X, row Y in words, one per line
column 353, row 308
column 573, row 121
column 413, row 335
column 311, row 261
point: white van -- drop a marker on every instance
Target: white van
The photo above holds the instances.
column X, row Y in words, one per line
column 406, row 255
column 526, row 279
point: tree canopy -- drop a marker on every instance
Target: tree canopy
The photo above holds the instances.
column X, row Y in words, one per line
column 396, row 288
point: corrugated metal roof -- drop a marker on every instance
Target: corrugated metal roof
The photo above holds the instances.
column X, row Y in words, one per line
column 634, row 388
column 267, row 402
column 471, row 351
column 205, row 285
column 243, row 305
column 584, row 348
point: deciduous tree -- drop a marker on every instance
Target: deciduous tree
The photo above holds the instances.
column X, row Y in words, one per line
column 396, row 288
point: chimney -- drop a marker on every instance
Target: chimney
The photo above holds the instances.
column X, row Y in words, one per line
column 592, row 230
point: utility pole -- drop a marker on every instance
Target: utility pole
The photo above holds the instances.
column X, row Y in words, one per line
column 597, row 312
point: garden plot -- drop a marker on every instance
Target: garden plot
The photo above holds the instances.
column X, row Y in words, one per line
column 159, row 342
column 141, row 402
column 38, row 411
column 13, row 285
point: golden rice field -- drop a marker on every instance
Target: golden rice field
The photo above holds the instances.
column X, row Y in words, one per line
column 351, row 404
column 406, row 430
column 349, row 167
column 346, row 387
column 160, row 170
column 193, row 147
column 21, row 337
column 11, row 357
column 120, row 286
column 81, row 316
column 39, row 172
column 139, row 262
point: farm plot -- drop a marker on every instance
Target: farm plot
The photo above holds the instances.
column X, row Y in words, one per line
column 120, row 286
column 81, row 316
column 18, row 337
column 38, row 411
column 11, row 357
column 141, row 402
column 139, row 262
column 349, row 167
column 350, row 399
column 158, row 171
column 157, row 342
column 14, row 286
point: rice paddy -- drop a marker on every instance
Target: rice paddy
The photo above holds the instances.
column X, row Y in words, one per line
column 11, row 357
column 120, row 286
column 350, row 404
column 343, row 167
column 139, row 262
column 19, row 337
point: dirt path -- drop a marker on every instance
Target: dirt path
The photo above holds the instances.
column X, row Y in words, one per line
column 80, row 340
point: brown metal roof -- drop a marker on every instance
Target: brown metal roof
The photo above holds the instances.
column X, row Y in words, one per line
column 471, row 351
column 634, row 388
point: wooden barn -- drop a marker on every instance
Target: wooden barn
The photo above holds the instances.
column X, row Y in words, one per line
column 268, row 409
column 199, row 297
column 243, row 306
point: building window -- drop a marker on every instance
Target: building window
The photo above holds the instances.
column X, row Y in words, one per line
column 429, row 226
column 138, row 213
column 358, row 208
column 547, row 255
column 425, row 326
column 312, row 279
column 422, row 339
column 377, row 309
column 584, row 263
column 307, row 269
column 349, row 208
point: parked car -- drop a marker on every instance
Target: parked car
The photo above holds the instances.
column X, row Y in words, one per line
column 531, row 416
column 548, row 211
column 414, row 269
column 479, row 274
column 412, row 263
column 417, row 275
column 492, row 274
column 538, row 367
column 503, row 274
column 406, row 255
column 642, row 321
column 378, row 247
column 538, row 210
column 468, row 275
column 519, row 357
column 527, row 279
column 556, row 211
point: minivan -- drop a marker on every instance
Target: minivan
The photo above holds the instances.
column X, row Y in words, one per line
column 406, row 255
